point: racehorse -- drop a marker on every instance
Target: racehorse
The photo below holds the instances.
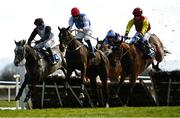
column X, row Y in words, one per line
column 77, row 57
column 37, row 68
column 115, row 65
column 133, row 62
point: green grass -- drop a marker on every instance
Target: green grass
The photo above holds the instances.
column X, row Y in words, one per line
column 91, row 112
column 96, row 112
column 5, row 103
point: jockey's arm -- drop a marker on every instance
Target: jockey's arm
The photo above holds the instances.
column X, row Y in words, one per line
column 47, row 33
column 32, row 36
column 129, row 26
column 145, row 26
column 71, row 23
column 86, row 23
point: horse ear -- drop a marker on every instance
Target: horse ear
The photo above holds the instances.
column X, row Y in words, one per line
column 24, row 41
column 59, row 28
column 15, row 42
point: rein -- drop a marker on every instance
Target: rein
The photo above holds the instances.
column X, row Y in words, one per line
column 123, row 54
column 84, row 33
column 75, row 49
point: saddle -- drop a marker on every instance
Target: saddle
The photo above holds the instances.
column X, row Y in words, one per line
column 43, row 54
column 88, row 48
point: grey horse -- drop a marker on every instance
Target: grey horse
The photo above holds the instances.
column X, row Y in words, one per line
column 37, row 68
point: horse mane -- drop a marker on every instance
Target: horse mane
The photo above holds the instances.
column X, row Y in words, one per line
column 32, row 51
column 125, row 45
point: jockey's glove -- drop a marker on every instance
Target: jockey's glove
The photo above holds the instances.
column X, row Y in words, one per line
column 37, row 42
column 126, row 34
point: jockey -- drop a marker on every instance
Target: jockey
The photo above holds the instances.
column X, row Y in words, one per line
column 142, row 26
column 82, row 23
column 111, row 38
column 46, row 36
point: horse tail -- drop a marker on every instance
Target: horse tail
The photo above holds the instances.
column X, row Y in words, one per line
column 166, row 52
column 161, row 44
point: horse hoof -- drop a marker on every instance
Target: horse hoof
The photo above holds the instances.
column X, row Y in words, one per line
column 66, row 94
column 107, row 105
column 81, row 96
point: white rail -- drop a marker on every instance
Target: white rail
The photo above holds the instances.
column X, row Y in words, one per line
column 11, row 85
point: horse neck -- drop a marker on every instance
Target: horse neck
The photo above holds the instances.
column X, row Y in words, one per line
column 124, row 49
column 73, row 44
column 31, row 55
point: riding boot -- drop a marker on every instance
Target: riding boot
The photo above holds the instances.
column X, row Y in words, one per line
column 52, row 60
column 80, row 40
column 149, row 52
column 91, row 50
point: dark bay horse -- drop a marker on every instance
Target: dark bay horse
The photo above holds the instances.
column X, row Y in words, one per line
column 37, row 68
column 77, row 57
column 133, row 62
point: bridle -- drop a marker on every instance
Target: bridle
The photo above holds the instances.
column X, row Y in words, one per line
column 122, row 52
column 69, row 42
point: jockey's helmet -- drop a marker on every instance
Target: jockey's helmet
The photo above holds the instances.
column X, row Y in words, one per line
column 38, row 21
column 75, row 12
column 137, row 11
column 111, row 33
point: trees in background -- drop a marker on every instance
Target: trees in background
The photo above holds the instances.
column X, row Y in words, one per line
column 9, row 70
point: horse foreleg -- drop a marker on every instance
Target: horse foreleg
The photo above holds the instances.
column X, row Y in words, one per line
column 132, row 80
column 83, row 77
column 94, row 90
column 69, row 72
column 121, row 82
column 29, row 93
column 105, row 90
column 22, row 88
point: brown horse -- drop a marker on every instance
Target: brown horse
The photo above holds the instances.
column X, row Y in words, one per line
column 133, row 62
column 37, row 68
column 115, row 65
column 77, row 57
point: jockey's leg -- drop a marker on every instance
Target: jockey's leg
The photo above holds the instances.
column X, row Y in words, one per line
column 80, row 40
column 149, row 50
column 51, row 55
column 79, row 36
column 133, row 40
column 91, row 49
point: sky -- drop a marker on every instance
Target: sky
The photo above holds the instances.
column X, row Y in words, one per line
column 17, row 17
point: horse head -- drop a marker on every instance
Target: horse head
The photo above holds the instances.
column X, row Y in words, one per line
column 65, row 37
column 19, row 52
